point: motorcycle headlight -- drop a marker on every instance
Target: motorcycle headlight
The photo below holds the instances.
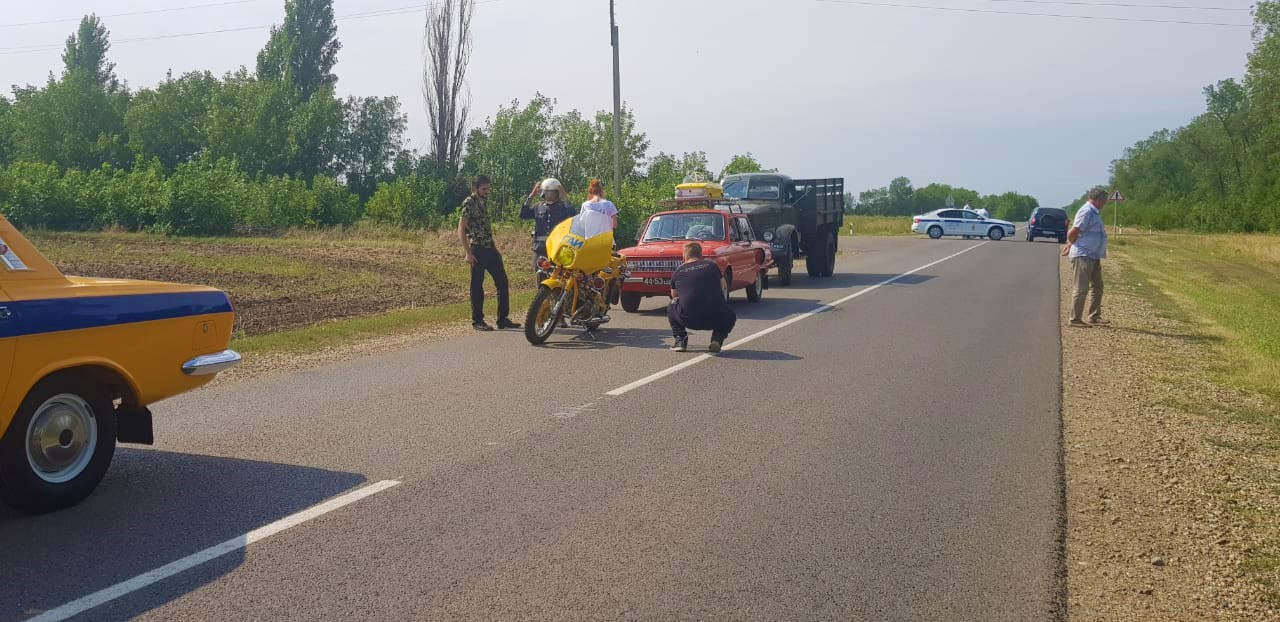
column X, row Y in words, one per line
column 768, row 236
column 566, row 255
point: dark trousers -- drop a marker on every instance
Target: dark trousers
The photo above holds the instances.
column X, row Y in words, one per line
column 719, row 321
column 488, row 259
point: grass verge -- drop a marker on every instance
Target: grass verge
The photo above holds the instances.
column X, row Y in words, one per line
column 862, row 224
column 1228, row 286
column 338, row 332
column 1172, row 437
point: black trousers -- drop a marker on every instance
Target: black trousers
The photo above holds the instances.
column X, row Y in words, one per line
column 488, row 259
column 719, row 321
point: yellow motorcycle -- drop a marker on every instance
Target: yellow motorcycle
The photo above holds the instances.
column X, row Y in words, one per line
column 581, row 277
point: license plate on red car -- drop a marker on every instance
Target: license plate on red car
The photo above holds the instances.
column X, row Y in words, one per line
column 656, row 281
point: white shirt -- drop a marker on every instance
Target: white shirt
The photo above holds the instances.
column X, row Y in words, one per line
column 1092, row 242
column 604, row 206
column 982, row 211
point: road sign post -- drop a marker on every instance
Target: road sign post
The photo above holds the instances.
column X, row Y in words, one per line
column 1117, row 198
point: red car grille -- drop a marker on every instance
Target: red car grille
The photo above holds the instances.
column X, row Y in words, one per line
column 653, row 265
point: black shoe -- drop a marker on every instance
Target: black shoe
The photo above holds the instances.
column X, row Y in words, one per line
column 505, row 323
column 481, row 326
column 715, row 345
column 681, row 345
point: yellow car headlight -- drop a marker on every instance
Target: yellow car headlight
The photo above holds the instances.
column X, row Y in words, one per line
column 566, row 255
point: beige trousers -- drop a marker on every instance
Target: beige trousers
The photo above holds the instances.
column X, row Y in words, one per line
column 1088, row 274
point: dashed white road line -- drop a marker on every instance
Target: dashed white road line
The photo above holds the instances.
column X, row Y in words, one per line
column 781, row 325
column 145, row 579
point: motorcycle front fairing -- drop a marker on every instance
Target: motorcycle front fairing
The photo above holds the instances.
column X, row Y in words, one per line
column 583, row 243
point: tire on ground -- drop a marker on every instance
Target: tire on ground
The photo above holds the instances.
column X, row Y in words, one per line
column 27, row 487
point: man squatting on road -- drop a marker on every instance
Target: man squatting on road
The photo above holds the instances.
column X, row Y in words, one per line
column 698, row 302
column 475, row 231
column 1087, row 246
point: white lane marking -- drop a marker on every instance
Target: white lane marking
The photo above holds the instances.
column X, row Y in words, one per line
column 781, row 325
column 145, row 579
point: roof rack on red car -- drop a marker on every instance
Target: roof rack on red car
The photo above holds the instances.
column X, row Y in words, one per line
column 724, row 204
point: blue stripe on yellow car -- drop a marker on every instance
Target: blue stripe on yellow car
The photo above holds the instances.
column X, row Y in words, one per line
column 34, row 317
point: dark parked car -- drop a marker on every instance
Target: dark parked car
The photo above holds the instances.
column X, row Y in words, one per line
column 1048, row 222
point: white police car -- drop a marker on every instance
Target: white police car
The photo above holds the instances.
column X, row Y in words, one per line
column 965, row 222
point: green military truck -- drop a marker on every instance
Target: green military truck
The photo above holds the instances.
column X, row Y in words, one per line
column 799, row 218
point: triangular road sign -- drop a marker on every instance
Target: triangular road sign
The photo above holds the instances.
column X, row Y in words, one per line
column 1116, row 196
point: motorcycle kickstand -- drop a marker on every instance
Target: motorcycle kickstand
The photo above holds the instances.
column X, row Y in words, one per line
column 591, row 334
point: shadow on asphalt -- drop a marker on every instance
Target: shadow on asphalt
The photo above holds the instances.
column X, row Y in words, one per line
column 153, row 508
column 852, row 279
column 758, row 355
column 609, row 338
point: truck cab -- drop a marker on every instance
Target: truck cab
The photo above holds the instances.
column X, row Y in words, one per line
column 799, row 218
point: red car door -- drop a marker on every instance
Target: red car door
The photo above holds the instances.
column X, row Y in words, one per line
column 743, row 256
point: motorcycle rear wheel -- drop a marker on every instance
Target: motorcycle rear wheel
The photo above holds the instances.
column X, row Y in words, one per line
column 540, row 322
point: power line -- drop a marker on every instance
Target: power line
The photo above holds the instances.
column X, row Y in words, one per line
column 171, row 9
column 1021, row 13
column 351, row 16
column 1131, row 5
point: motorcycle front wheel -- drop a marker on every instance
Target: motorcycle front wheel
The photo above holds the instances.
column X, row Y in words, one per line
column 540, row 322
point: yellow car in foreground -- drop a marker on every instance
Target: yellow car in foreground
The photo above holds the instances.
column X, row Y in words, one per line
column 80, row 361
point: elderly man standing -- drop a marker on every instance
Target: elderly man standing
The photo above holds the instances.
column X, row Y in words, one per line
column 1087, row 246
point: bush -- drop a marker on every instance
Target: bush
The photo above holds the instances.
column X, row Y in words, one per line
column 335, row 204
column 204, row 199
column 414, row 203
column 280, row 203
column 136, row 199
column 32, row 195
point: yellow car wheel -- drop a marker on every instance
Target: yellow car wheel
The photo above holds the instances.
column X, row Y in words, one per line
column 59, row 445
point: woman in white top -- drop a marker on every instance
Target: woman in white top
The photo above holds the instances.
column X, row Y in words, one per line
column 597, row 203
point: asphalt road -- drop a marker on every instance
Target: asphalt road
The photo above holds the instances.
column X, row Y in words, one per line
column 893, row 457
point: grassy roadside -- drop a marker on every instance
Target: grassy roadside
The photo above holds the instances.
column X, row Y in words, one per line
column 1171, row 433
column 1229, row 286
column 303, row 286
column 339, row 332
column 861, row 224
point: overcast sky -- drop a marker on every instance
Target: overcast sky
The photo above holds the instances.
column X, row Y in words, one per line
column 989, row 101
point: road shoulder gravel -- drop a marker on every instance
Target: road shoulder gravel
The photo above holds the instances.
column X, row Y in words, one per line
column 1172, row 494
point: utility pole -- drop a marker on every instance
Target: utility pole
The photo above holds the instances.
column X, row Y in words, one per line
column 617, row 107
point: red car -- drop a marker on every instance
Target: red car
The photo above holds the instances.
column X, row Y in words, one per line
column 726, row 237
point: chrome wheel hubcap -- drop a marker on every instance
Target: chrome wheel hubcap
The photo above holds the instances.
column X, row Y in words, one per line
column 61, row 438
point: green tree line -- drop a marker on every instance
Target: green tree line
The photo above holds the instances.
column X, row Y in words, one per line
column 1221, row 171
column 273, row 146
column 900, row 198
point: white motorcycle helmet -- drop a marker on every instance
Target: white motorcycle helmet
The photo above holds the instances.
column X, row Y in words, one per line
column 551, row 184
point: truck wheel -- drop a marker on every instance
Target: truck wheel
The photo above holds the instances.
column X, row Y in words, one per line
column 726, row 286
column 630, row 302
column 996, row 233
column 829, row 266
column 756, row 291
column 815, row 256
column 784, row 273
column 935, row 232
column 59, row 445
column 1062, row 239
column 1030, row 238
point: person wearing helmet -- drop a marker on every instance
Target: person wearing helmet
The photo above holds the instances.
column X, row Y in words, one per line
column 553, row 209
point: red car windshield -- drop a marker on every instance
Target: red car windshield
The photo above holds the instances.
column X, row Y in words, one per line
column 672, row 227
